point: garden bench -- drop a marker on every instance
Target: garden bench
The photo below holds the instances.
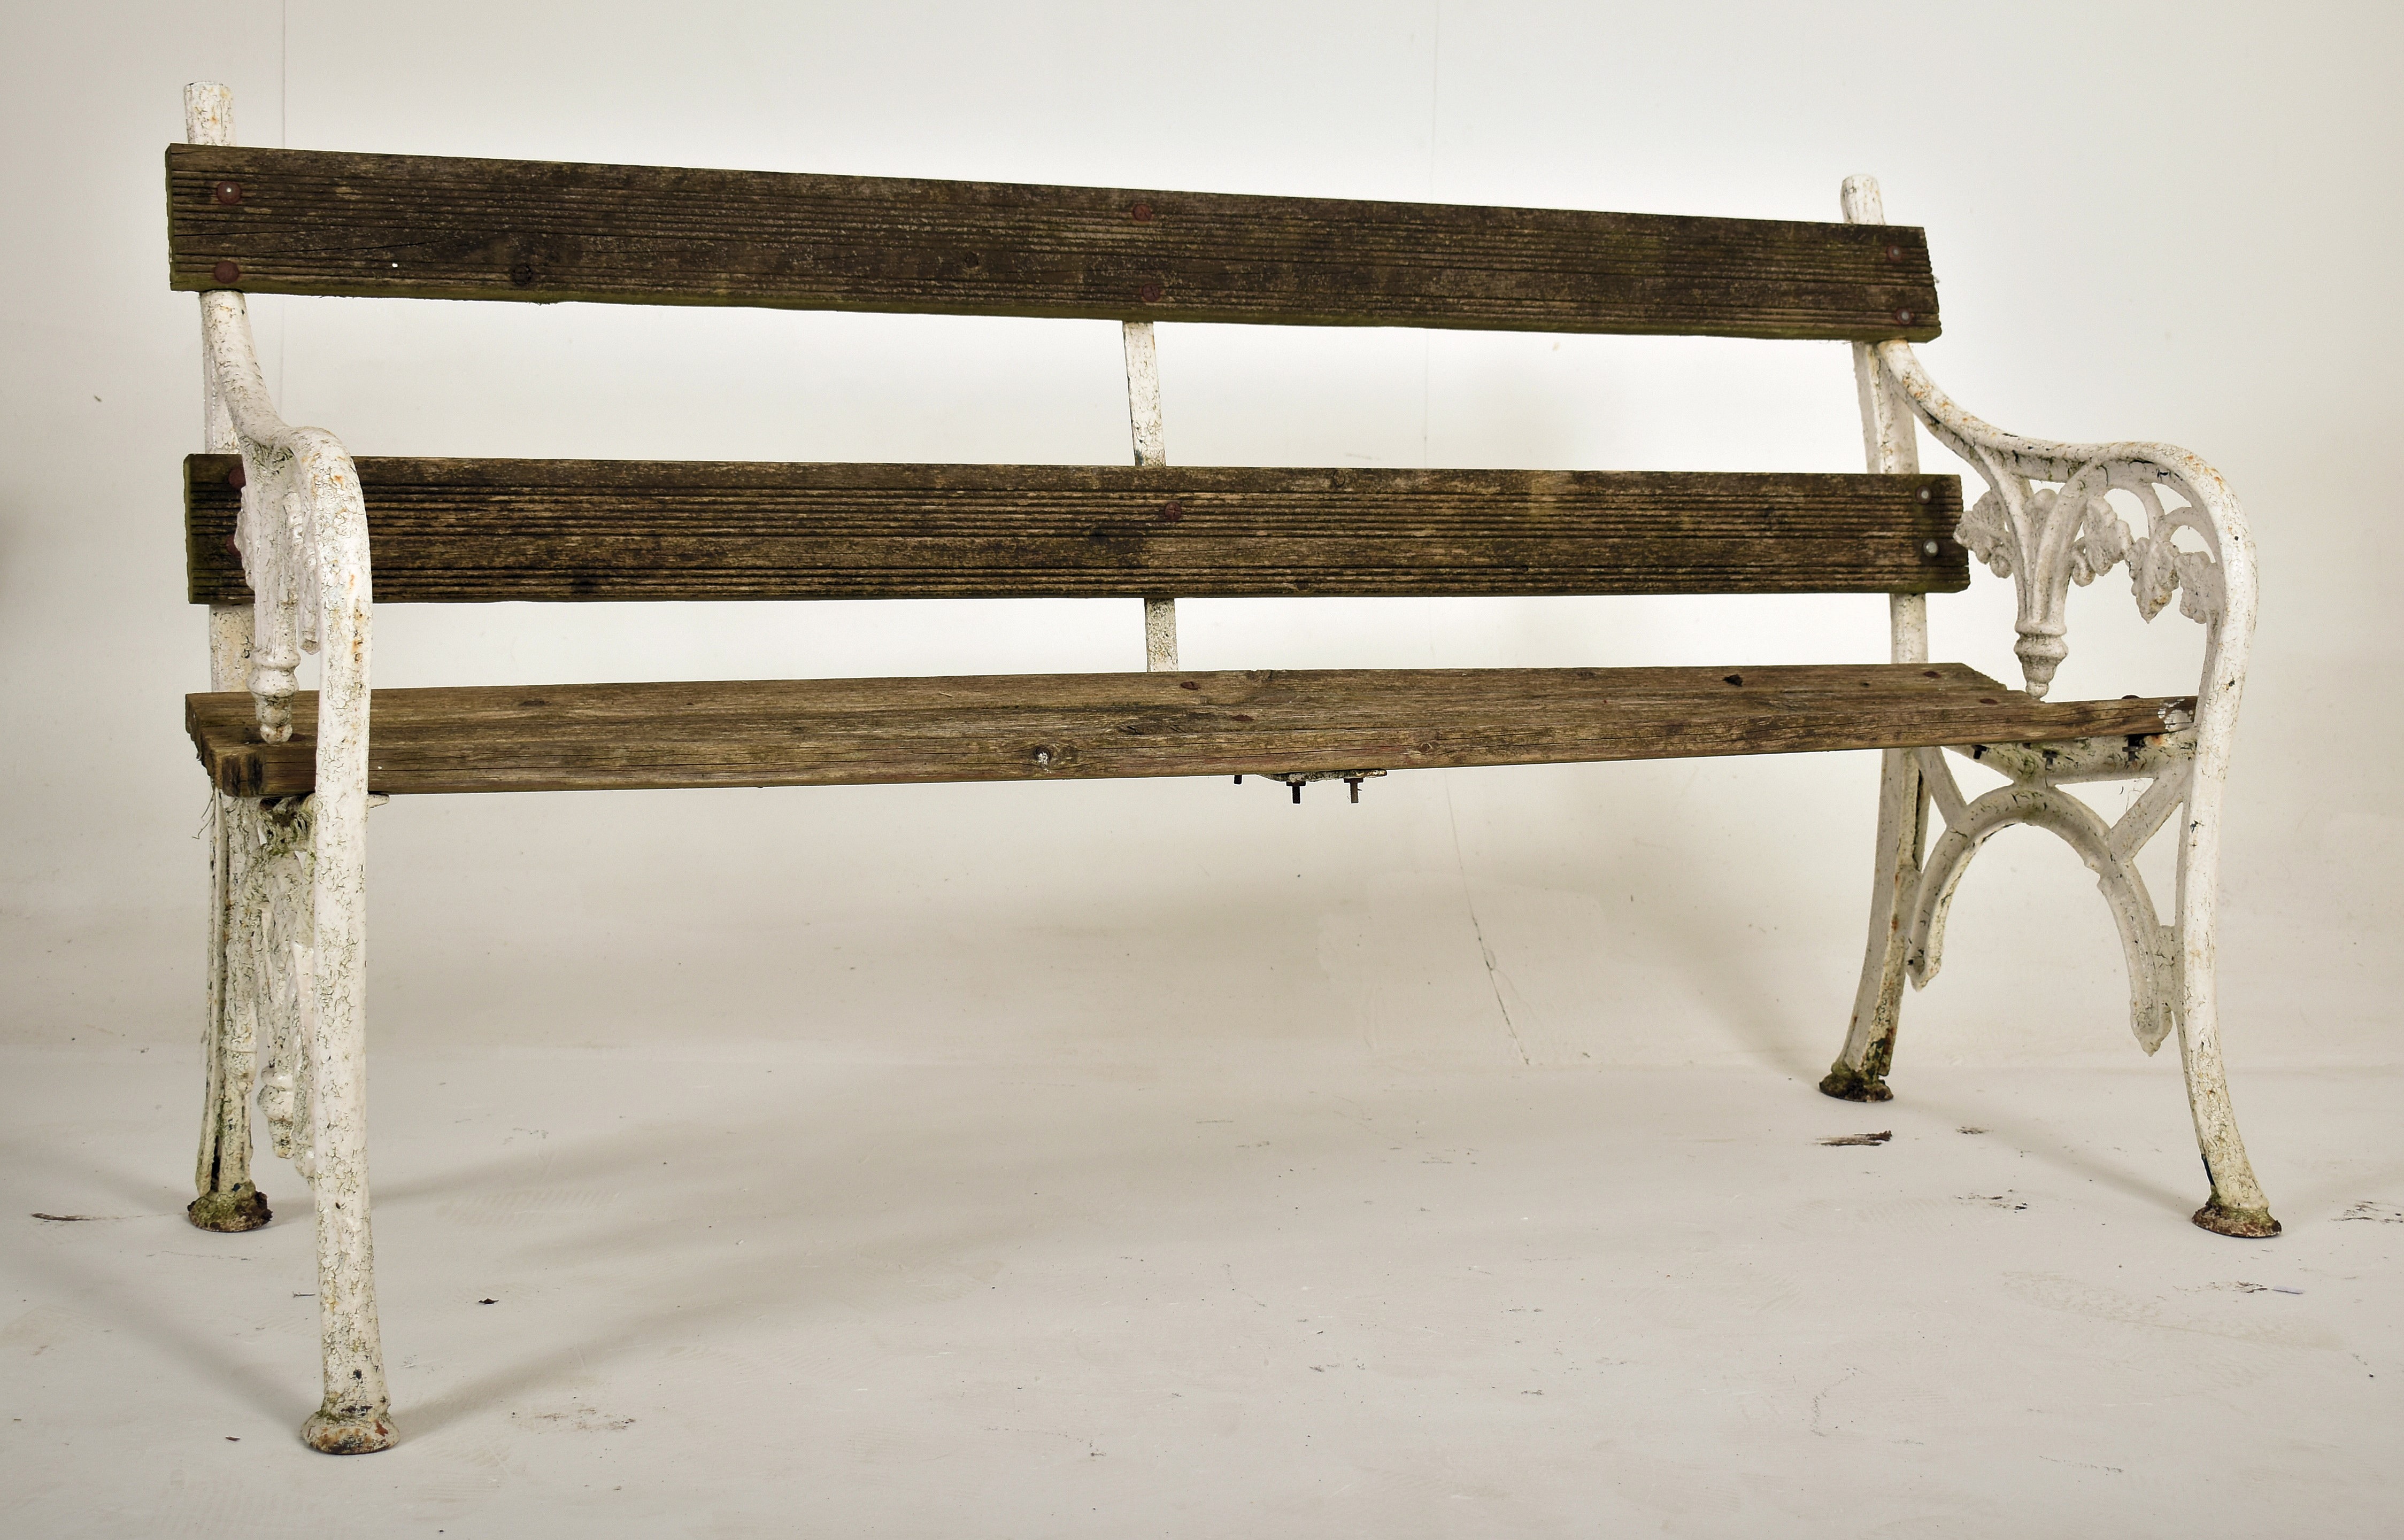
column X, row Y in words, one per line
column 281, row 524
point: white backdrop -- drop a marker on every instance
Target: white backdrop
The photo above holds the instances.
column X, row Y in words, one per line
column 2148, row 221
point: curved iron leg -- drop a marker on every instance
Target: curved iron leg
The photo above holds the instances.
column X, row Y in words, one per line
column 1859, row 1073
column 2237, row 1206
column 227, row 1202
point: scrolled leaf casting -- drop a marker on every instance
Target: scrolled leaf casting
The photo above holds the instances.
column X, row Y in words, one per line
column 2048, row 537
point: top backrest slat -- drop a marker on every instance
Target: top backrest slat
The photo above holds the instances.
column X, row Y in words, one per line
column 273, row 221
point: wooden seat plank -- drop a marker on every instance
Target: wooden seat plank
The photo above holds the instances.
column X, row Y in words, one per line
column 280, row 221
column 1057, row 727
column 473, row 530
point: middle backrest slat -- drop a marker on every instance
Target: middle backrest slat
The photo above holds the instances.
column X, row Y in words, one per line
column 479, row 531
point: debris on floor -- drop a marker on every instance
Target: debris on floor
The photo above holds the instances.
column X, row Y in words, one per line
column 1878, row 1138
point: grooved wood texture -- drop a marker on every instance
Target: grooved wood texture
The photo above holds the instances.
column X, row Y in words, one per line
column 1056, row 726
column 318, row 222
column 464, row 530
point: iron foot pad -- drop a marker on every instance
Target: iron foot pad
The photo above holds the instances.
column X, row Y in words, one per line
column 345, row 1431
column 1848, row 1084
column 2250, row 1224
column 243, row 1208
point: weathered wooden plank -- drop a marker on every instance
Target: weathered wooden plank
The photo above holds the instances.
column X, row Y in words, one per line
column 273, row 221
column 849, row 731
column 467, row 530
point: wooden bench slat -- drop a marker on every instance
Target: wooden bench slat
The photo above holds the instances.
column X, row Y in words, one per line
column 430, row 227
column 476, row 531
column 854, row 731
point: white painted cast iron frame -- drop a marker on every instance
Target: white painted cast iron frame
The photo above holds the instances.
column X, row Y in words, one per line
column 289, row 919
column 2046, row 539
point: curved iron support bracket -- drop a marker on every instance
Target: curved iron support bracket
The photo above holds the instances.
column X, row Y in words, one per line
column 2150, row 947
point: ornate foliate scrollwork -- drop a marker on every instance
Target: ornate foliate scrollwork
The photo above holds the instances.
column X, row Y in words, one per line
column 2157, row 567
column 1988, row 535
column 2101, row 542
column 296, row 483
column 2102, row 539
column 277, row 542
column 270, row 971
column 292, row 972
column 2046, row 520
column 2048, row 538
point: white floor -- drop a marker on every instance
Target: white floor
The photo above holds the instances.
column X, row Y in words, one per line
column 776, row 1292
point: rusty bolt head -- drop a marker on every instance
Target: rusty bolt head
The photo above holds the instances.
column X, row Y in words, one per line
column 1141, row 214
column 236, row 479
column 1042, row 757
column 1926, row 495
column 522, row 274
column 1170, row 512
column 1149, row 294
column 1903, row 318
column 228, row 273
column 1894, row 253
column 1930, row 547
column 1986, row 700
column 227, row 192
column 1196, row 684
